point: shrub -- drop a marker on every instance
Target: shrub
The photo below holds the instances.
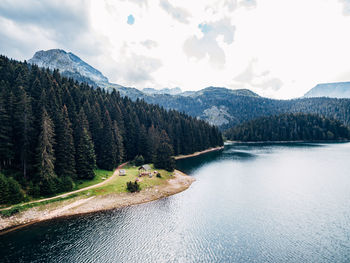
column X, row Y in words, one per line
column 132, row 186
column 66, row 184
column 48, row 186
column 159, row 175
column 15, row 192
column 33, row 189
column 10, row 212
column 4, row 190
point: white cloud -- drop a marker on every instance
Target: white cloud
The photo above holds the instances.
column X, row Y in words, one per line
column 346, row 7
column 180, row 14
column 208, row 43
column 258, row 79
column 149, row 44
column 134, row 69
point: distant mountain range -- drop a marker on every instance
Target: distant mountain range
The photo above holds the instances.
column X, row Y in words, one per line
column 331, row 90
column 218, row 105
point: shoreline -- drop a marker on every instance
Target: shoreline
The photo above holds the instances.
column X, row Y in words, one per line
column 179, row 157
column 91, row 204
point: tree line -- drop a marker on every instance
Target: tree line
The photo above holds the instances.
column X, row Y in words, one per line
column 242, row 106
column 55, row 130
column 290, row 127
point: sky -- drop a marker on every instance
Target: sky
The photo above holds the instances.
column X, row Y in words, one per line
column 277, row 48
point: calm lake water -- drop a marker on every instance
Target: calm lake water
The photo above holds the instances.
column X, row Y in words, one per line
column 250, row 203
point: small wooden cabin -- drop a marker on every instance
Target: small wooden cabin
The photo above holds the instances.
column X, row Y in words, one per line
column 144, row 170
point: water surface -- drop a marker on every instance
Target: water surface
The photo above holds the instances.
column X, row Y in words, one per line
column 250, row 203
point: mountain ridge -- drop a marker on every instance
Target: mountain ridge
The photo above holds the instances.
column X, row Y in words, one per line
column 331, row 90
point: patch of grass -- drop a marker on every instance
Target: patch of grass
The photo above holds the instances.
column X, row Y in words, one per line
column 118, row 184
column 99, row 175
column 80, row 183
column 19, row 208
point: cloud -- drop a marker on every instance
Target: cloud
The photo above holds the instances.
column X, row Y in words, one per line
column 346, row 7
column 135, row 69
column 230, row 4
column 180, row 14
column 149, row 44
column 254, row 77
column 220, row 5
column 141, row 3
column 207, row 45
column 47, row 24
column 65, row 18
column 131, row 20
column 248, row 3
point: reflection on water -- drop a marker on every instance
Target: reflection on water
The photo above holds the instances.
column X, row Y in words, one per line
column 250, row 203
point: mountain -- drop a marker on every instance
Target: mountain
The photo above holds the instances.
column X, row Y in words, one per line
column 217, row 105
column 69, row 65
column 173, row 91
column 331, row 90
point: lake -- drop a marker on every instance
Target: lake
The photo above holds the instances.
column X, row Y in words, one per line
column 250, row 203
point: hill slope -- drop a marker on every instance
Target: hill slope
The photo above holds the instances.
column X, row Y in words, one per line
column 290, row 127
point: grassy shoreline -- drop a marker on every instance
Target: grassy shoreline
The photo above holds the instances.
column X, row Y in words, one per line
column 109, row 196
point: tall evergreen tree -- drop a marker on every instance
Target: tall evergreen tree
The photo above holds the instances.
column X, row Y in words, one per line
column 164, row 156
column 23, row 129
column 6, row 145
column 108, row 145
column 46, row 155
column 119, row 153
column 85, row 156
column 65, row 150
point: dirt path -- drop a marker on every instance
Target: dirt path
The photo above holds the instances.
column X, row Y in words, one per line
column 73, row 192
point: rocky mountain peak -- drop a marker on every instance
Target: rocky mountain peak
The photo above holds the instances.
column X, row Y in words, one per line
column 68, row 64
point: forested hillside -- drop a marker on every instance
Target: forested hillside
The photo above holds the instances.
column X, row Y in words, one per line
column 290, row 127
column 54, row 130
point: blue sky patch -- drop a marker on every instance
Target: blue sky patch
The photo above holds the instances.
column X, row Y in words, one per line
column 205, row 28
column 131, row 19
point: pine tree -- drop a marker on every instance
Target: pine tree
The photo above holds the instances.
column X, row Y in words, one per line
column 119, row 153
column 143, row 144
column 108, row 145
column 65, row 150
column 6, row 145
column 23, row 130
column 45, row 152
column 85, row 156
column 164, row 156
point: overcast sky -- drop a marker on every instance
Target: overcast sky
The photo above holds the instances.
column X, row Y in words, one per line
column 277, row 48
